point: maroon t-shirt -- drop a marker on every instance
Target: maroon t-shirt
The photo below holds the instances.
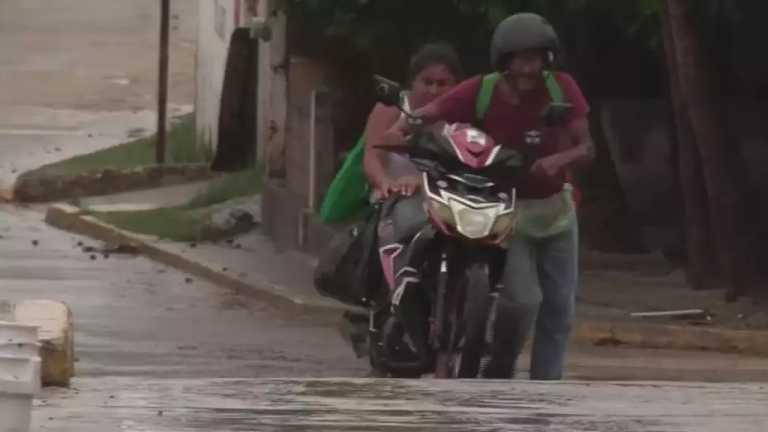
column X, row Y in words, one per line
column 508, row 123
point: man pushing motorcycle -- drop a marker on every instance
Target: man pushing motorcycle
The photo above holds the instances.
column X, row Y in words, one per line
column 543, row 114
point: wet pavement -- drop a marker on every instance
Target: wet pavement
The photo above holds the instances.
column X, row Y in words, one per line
column 136, row 318
column 93, row 55
column 402, row 406
column 33, row 137
column 80, row 75
column 152, row 340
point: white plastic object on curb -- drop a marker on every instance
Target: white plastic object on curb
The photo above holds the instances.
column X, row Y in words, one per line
column 20, row 366
column 680, row 314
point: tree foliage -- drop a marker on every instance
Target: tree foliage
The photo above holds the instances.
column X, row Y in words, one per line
column 386, row 31
column 608, row 44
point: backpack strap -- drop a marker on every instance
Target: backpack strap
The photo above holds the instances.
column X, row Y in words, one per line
column 484, row 97
column 488, row 84
column 553, row 87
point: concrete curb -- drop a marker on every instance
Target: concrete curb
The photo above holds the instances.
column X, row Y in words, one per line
column 593, row 332
column 31, row 187
column 72, row 219
column 661, row 336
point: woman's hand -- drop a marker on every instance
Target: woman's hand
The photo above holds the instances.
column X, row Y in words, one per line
column 408, row 185
column 405, row 186
column 394, row 137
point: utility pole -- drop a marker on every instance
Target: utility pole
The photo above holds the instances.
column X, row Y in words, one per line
column 162, row 96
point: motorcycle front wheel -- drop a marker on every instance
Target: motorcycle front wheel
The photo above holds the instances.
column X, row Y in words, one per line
column 476, row 311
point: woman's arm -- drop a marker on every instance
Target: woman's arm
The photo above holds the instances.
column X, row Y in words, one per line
column 375, row 164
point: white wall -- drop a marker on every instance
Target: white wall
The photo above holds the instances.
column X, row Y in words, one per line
column 218, row 19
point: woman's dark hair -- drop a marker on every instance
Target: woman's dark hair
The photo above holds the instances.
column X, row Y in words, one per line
column 436, row 54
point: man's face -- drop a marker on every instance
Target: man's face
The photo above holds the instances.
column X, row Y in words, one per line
column 525, row 69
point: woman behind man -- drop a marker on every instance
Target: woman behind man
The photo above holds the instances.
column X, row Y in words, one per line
column 434, row 70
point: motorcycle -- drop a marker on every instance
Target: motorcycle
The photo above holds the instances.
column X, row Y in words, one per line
column 441, row 310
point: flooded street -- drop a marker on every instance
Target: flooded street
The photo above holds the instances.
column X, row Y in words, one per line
column 159, row 351
column 135, row 318
column 405, row 406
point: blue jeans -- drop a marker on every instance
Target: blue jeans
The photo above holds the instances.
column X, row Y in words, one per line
column 540, row 282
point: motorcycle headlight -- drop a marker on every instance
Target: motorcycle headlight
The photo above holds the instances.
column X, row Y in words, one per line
column 442, row 212
column 504, row 224
column 473, row 223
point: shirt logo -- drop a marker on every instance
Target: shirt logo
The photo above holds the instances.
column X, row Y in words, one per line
column 533, row 137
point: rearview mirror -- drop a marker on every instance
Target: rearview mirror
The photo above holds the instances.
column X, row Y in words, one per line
column 387, row 91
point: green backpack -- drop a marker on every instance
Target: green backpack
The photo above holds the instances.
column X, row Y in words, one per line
column 536, row 218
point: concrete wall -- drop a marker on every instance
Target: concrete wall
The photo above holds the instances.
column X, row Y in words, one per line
column 218, row 19
column 290, row 202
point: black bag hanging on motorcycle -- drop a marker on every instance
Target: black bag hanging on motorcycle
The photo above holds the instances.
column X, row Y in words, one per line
column 349, row 269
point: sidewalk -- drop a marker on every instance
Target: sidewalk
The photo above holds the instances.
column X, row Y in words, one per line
column 613, row 286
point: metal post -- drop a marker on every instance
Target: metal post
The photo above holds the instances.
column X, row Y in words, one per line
column 312, row 202
column 162, row 97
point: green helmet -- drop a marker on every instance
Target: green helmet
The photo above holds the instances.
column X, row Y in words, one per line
column 520, row 32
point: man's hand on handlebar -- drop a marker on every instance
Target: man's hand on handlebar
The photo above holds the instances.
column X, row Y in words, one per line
column 427, row 114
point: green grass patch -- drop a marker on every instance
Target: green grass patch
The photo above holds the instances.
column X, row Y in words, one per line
column 228, row 187
column 167, row 223
column 190, row 221
column 182, row 148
